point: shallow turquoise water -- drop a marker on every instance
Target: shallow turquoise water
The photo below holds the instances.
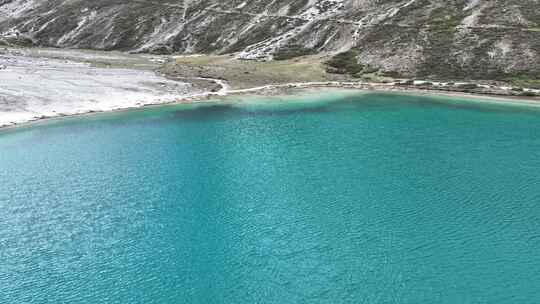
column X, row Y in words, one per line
column 338, row 199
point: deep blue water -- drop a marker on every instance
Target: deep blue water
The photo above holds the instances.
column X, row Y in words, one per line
column 371, row 198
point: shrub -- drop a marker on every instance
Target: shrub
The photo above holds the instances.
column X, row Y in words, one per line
column 292, row 51
column 528, row 94
column 467, row 86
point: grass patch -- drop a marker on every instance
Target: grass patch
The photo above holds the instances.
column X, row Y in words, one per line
column 20, row 41
column 248, row 73
column 525, row 82
column 344, row 63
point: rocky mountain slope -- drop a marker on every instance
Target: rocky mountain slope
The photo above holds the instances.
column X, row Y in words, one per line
column 452, row 39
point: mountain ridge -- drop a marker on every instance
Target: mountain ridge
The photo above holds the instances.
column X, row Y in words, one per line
column 477, row 39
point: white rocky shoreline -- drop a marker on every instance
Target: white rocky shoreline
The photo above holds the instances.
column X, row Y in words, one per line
column 33, row 88
column 66, row 83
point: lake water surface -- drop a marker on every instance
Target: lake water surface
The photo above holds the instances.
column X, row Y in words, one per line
column 340, row 198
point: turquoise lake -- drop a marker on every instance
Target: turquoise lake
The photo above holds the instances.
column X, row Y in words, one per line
column 334, row 198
